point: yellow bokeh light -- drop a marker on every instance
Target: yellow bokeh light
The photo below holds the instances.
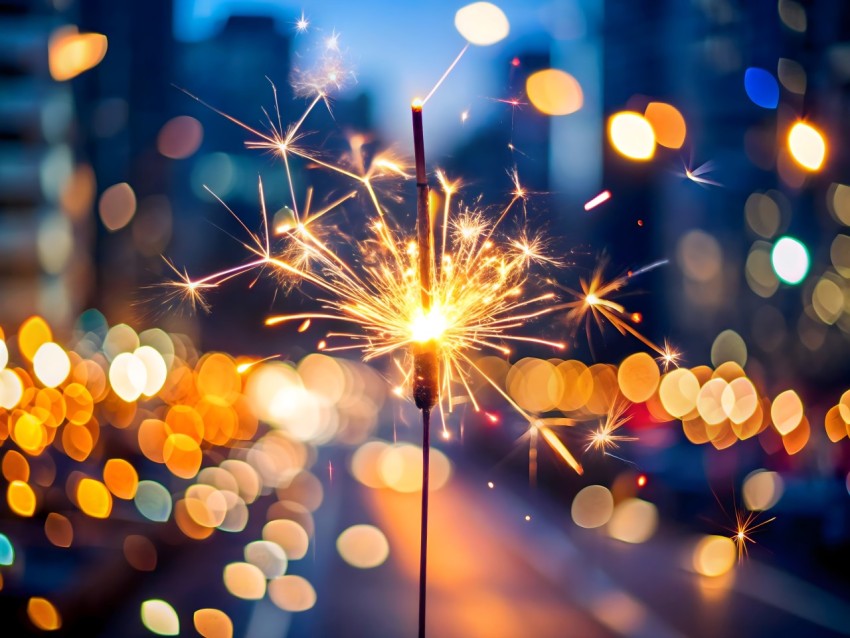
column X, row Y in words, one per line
column 709, row 401
column 807, row 146
column 71, row 52
column 79, row 404
column 33, row 333
column 93, row 498
column 51, row 364
column 762, row 490
column 29, row 433
column 11, row 389
column 634, row 521
column 43, row 614
column 245, row 581
column 678, row 392
column 218, row 378
column 121, row 478
column 213, row 623
column 577, row 383
column 156, row 371
column 739, row 400
column 786, row 412
column 160, row 618
column 631, row 135
column 638, row 377
column 836, row 427
column 292, row 593
column 128, row 376
column 365, row 463
column 363, row 546
column 21, row 498
column 482, row 23
column 844, row 406
column 592, row 507
column 401, row 468
column 182, row 455
column 291, row 536
column 554, row 92
column 714, row 556
column 668, row 124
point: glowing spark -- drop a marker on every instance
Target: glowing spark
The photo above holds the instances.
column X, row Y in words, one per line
column 744, row 528
column 593, row 304
column 669, row 356
column 332, row 42
column 641, row 480
column 603, row 438
column 464, row 116
column 601, row 198
column 490, row 484
column 445, row 75
column 242, row 368
column 302, row 24
column 697, row 174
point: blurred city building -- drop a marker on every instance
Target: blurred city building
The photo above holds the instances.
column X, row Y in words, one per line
column 46, row 188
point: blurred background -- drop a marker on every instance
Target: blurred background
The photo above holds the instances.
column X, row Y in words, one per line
column 105, row 166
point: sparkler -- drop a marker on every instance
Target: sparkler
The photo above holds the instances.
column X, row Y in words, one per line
column 434, row 305
column 425, row 381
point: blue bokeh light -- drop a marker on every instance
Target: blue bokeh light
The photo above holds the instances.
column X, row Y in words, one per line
column 761, row 87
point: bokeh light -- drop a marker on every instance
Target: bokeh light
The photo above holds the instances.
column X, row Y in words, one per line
column 213, row 623
column 117, row 206
column 762, row 490
column 554, row 92
column 631, row 135
column 790, row 260
column 633, row 521
column 71, row 52
column 363, row 546
column 94, row 498
column 245, row 581
column 292, row 593
column 714, row 556
column 761, row 87
column 667, row 123
column 180, row 137
column 482, row 23
column 593, row 506
column 807, row 146
column 160, row 618
column 43, row 614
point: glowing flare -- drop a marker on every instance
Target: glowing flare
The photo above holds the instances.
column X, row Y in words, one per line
column 160, row 618
column 482, row 23
column 43, row 614
column 601, row 198
column 71, row 52
column 554, row 92
column 807, row 146
column 632, row 135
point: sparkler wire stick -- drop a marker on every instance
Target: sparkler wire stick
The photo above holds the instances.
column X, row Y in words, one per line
column 425, row 381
